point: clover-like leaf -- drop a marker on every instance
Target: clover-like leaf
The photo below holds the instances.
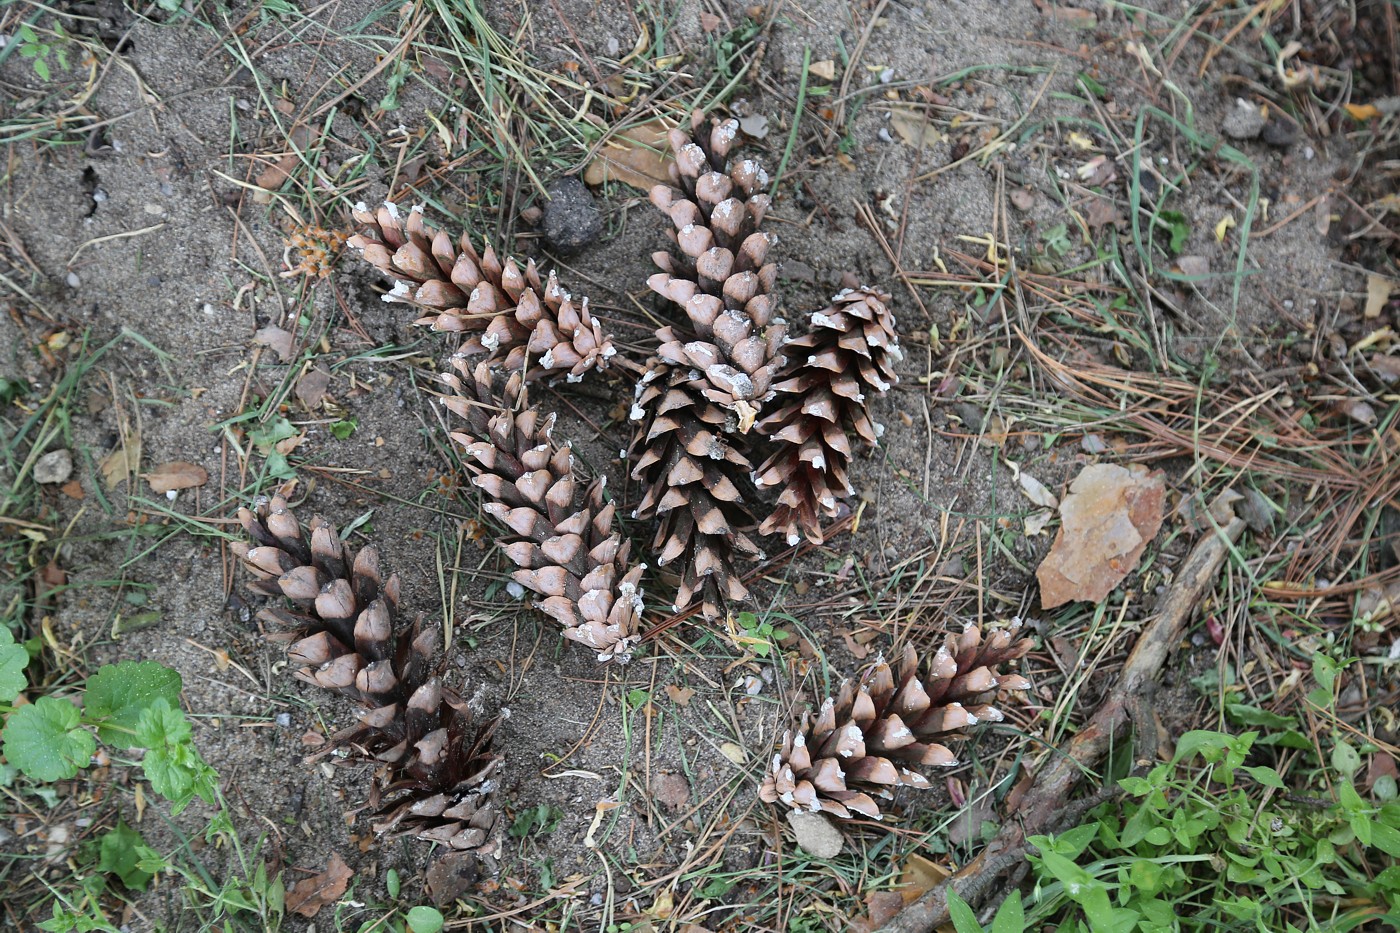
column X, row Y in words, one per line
column 172, row 764
column 46, row 740
column 13, row 659
column 118, row 694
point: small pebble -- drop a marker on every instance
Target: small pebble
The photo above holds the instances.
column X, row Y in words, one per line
column 887, row 76
column 284, row 720
column 885, row 136
column 815, row 834
column 73, row 280
column 614, row 47
column 1244, row 121
column 54, row 467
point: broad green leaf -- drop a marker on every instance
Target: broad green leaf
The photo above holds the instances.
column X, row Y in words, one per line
column 425, row 920
column 46, row 740
column 964, row 920
column 1011, row 915
column 1253, row 716
column 1345, row 759
column 13, row 659
column 1266, row 776
column 118, row 693
column 118, row 855
column 1386, row 838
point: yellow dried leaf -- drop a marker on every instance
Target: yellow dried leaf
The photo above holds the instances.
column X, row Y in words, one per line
column 1362, row 112
column 1081, row 141
column 122, row 462
column 1225, row 224
column 824, row 69
column 1378, row 291
column 733, row 752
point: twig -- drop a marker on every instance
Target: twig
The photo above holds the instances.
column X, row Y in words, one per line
column 1044, row 803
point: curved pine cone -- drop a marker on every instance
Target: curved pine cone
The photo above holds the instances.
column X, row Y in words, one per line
column 689, row 471
column 573, row 555
column 719, row 273
column 438, row 751
column 846, row 357
column 506, row 311
column 882, row 729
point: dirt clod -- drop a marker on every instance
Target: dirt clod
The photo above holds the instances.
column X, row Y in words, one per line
column 571, row 217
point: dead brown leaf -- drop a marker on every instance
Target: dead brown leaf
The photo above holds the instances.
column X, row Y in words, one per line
column 73, row 489
column 312, row 386
column 638, row 156
column 670, row 789
column 309, row 895
column 276, row 339
column 176, row 475
column 679, row 695
column 1101, row 212
column 122, row 462
column 276, row 174
column 915, row 131
column 1106, row 522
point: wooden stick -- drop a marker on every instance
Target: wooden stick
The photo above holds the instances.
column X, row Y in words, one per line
column 1049, row 793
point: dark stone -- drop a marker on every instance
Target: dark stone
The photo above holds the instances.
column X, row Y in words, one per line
column 571, row 216
column 1280, row 133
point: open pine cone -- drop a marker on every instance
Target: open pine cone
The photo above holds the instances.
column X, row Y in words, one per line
column 688, row 469
column 436, row 747
column 891, row 722
column 506, row 311
column 719, row 274
column 568, row 547
column 846, row 357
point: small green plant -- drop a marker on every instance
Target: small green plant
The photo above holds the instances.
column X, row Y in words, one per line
column 539, row 820
column 1220, row 847
column 38, row 49
column 755, row 635
column 131, row 705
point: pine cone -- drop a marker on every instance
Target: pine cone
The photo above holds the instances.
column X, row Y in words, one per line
column 719, row 274
column 846, row 357
column 689, row 469
column 506, row 311
column 438, row 751
column 572, row 555
column 890, row 722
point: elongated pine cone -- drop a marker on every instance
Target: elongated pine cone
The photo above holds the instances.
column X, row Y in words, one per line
column 891, row 722
column 437, row 748
column 719, row 273
column 846, row 357
column 506, row 311
column 568, row 547
column 688, row 468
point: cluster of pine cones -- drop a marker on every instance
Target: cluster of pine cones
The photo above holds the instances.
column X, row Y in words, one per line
column 727, row 401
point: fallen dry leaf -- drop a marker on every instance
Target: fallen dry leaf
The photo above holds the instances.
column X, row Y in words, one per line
column 312, row 386
column 637, row 156
column 276, row 339
column 1378, row 291
column 919, row 877
column 670, row 789
column 913, row 130
column 1106, row 521
column 309, row 895
column 733, row 752
column 176, row 475
column 122, row 462
column 1101, row 212
column 273, row 177
column 1036, row 491
column 73, row 489
column 679, row 695
column 824, row 69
